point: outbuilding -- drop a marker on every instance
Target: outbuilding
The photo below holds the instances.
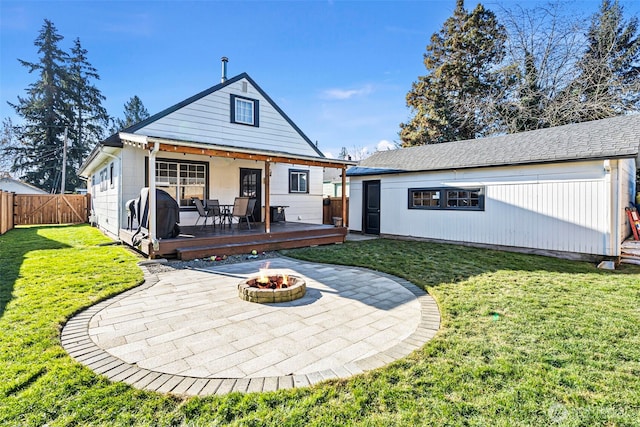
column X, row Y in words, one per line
column 559, row 191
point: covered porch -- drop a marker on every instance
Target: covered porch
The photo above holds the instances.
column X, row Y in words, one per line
column 267, row 234
column 199, row 242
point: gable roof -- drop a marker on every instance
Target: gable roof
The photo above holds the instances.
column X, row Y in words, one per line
column 9, row 184
column 617, row 137
column 142, row 127
column 157, row 125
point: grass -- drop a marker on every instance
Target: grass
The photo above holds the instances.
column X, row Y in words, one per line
column 525, row 340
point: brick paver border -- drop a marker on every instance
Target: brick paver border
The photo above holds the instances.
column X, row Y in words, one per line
column 76, row 341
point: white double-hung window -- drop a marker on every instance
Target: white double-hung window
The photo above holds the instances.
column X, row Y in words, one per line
column 182, row 180
column 244, row 110
column 298, row 181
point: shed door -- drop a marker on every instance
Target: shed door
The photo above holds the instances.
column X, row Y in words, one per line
column 371, row 205
column 250, row 186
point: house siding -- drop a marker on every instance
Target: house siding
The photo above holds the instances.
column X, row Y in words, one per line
column 104, row 202
column 557, row 207
column 207, row 120
column 224, row 178
column 306, row 207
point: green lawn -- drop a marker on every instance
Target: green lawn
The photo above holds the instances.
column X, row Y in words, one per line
column 525, row 340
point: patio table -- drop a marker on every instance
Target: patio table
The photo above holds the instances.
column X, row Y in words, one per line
column 225, row 214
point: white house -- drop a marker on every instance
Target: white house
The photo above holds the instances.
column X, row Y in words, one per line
column 227, row 141
column 10, row 185
column 560, row 190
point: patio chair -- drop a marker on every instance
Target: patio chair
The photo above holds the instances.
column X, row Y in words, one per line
column 202, row 212
column 250, row 207
column 214, row 211
column 241, row 210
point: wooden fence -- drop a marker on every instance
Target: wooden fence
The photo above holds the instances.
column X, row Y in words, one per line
column 6, row 211
column 333, row 209
column 31, row 209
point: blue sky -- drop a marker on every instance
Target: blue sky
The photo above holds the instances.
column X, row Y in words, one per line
column 339, row 69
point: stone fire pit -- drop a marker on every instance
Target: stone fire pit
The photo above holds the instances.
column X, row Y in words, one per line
column 268, row 288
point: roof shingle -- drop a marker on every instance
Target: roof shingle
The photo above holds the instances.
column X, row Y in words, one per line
column 617, row 137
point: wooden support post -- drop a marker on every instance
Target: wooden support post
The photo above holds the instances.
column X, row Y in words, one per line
column 267, row 197
column 344, row 197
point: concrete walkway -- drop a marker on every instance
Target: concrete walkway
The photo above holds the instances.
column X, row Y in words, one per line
column 186, row 331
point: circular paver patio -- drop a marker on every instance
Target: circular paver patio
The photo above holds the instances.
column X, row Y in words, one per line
column 187, row 332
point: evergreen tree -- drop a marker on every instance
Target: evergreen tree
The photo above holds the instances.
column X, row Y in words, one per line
column 134, row 112
column 38, row 155
column 88, row 117
column 6, row 141
column 462, row 77
column 62, row 106
column 526, row 111
column 609, row 79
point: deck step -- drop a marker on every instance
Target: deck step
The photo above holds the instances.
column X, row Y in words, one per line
column 630, row 244
column 237, row 248
column 630, row 259
column 630, row 251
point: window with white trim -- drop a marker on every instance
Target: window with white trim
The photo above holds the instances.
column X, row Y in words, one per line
column 182, row 180
column 103, row 180
column 244, row 110
column 298, row 181
column 447, row 198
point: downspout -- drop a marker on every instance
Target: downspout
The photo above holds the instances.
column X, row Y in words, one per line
column 611, row 179
column 152, row 198
column 617, row 208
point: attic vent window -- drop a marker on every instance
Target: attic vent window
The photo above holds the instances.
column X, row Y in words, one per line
column 244, row 87
column 244, row 110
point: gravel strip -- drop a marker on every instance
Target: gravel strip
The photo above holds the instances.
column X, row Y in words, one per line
column 161, row 266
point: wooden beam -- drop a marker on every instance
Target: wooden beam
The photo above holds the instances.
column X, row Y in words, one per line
column 248, row 156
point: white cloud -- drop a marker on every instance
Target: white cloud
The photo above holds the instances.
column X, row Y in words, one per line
column 385, row 145
column 341, row 94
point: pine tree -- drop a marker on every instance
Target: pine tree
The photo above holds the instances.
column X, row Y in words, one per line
column 6, row 141
column 134, row 112
column 38, row 153
column 62, row 106
column 526, row 111
column 609, row 80
column 88, row 117
column 462, row 62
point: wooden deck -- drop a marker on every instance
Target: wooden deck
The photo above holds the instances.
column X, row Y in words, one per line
column 199, row 242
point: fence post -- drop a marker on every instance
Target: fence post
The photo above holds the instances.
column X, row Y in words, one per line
column 6, row 211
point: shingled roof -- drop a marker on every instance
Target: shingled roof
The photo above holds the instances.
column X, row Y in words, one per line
column 617, row 137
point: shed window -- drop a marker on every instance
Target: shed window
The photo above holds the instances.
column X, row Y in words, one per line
column 447, row 198
column 298, row 181
column 463, row 198
column 244, row 110
column 426, row 198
